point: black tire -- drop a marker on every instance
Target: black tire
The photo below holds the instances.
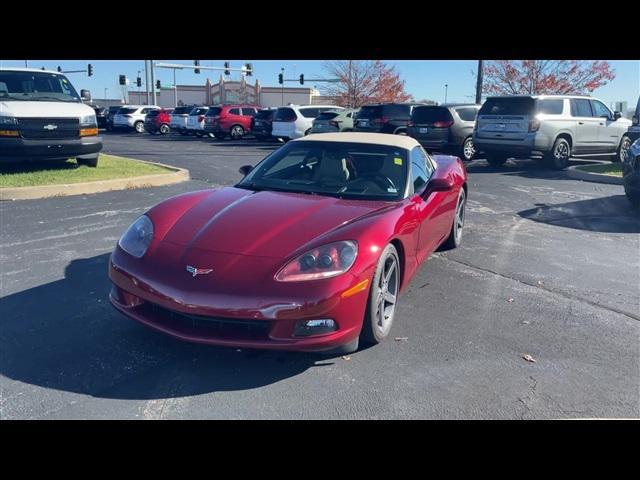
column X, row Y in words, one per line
column 455, row 234
column 164, row 129
column 236, row 132
column 558, row 157
column 468, row 150
column 89, row 162
column 633, row 197
column 495, row 159
column 139, row 126
column 625, row 144
column 381, row 309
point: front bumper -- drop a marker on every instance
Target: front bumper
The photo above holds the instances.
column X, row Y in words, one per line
column 264, row 321
column 19, row 149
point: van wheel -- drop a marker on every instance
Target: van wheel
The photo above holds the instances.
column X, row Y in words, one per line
column 495, row 159
column 468, row 150
column 558, row 157
column 139, row 126
column 623, row 148
column 88, row 161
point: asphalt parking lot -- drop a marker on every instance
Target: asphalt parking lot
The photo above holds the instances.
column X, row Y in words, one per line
column 549, row 267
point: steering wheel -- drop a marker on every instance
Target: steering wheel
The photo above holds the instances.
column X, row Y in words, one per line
column 381, row 180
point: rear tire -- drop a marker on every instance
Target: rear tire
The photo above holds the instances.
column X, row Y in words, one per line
column 633, row 197
column 468, row 150
column 237, row 132
column 558, row 157
column 455, row 234
column 495, row 159
column 383, row 296
column 139, row 126
column 623, row 148
column 164, row 129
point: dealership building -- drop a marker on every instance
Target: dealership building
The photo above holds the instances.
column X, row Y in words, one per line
column 229, row 92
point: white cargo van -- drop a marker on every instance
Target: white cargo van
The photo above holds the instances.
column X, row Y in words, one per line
column 42, row 118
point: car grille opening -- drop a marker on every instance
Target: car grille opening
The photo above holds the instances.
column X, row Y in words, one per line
column 216, row 326
column 49, row 128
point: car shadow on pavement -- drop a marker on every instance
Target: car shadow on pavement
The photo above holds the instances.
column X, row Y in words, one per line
column 612, row 214
column 64, row 335
column 530, row 168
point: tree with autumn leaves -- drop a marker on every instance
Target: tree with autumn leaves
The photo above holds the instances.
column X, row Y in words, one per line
column 360, row 82
column 539, row 77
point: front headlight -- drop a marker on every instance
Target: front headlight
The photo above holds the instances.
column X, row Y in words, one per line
column 138, row 236
column 4, row 121
column 88, row 120
column 321, row 262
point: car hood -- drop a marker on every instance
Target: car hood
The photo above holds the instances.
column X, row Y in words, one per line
column 264, row 223
column 45, row 109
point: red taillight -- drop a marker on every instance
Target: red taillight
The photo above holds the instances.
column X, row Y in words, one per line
column 534, row 125
column 200, row 118
column 333, row 123
column 445, row 124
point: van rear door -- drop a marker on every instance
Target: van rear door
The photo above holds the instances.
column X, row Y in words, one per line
column 505, row 118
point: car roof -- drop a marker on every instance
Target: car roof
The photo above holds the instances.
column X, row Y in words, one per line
column 10, row 69
column 541, row 96
column 401, row 141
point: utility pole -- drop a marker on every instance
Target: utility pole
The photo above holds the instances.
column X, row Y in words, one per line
column 446, row 87
column 479, row 83
column 175, row 89
column 350, row 90
column 26, row 64
column 146, row 80
column 282, row 87
column 153, row 83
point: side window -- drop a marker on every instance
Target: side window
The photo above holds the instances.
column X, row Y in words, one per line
column 467, row 114
column 580, row 107
column 420, row 169
column 600, row 110
column 234, row 111
column 310, row 112
column 249, row 112
column 551, row 106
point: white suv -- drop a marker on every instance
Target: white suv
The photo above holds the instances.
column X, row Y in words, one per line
column 132, row 116
column 195, row 121
column 294, row 121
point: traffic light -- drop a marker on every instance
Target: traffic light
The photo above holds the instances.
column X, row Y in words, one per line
column 226, row 68
column 89, row 69
column 280, row 79
column 158, row 85
column 139, row 82
column 123, row 79
column 249, row 69
column 197, row 64
column 302, row 79
column 59, row 68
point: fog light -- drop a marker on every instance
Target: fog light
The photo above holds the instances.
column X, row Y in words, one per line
column 306, row 328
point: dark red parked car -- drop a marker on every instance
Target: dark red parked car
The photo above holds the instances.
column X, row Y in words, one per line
column 231, row 120
column 158, row 121
column 308, row 252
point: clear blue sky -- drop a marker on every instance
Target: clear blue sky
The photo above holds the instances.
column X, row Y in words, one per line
column 425, row 79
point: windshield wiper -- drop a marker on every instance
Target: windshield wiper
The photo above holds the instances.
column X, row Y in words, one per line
column 57, row 99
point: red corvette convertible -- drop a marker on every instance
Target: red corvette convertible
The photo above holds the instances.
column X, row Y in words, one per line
column 308, row 252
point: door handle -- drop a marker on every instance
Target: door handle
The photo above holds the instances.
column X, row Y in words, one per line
column 580, row 123
column 601, row 123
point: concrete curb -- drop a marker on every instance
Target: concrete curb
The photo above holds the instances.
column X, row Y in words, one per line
column 576, row 174
column 176, row 175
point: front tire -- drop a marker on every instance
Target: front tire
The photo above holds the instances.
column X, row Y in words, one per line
column 558, row 157
column 455, row 234
column 237, row 132
column 468, row 150
column 383, row 297
column 623, row 148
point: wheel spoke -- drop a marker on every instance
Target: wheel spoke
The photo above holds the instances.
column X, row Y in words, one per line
column 390, row 272
column 390, row 298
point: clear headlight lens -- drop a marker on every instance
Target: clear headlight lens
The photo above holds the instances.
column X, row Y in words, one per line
column 88, row 120
column 8, row 121
column 138, row 236
column 322, row 262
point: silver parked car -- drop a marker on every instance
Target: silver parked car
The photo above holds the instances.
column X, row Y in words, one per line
column 553, row 127
column 334, row 121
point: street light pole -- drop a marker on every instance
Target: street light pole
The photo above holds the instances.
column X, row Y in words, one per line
column 479, row 83
column 446, row 87
column 282, row 87
column 175, row 89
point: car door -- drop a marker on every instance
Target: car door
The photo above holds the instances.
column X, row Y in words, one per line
column 586, row 127
column 247, row 114
column 609, row 131
column 426, row 207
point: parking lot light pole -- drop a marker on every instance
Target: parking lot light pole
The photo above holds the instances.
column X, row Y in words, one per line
column 479, row 83
column 175, row 89
column 446, row 87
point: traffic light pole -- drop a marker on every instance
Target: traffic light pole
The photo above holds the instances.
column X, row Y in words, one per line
column 153, row 84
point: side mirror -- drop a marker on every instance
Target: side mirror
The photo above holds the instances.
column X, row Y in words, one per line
column 437, row 185
column 85, row 95
column 617, row 115
column 245, row 169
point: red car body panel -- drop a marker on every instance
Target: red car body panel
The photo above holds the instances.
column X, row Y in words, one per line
column 246, row 237
column 223, row 122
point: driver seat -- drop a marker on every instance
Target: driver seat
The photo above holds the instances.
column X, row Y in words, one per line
column 332, row 169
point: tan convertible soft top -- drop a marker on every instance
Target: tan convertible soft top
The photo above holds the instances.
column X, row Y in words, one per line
column 388, row 139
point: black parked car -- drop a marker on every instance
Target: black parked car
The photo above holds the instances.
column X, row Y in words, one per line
column 634, row 130
column 261, row 124
column 445, row 128
column 111, row 112
column 101, row 116
column 384, row 118
column 631, row 174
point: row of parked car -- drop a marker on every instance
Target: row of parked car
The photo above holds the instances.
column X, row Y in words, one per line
column 552, row 128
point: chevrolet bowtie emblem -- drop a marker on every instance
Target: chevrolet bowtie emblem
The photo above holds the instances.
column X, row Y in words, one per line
column 51, row 126
column 198, row 271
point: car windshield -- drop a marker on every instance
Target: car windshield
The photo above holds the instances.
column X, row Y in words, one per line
column 36, row 86
column 340, row 169
column 126, row 111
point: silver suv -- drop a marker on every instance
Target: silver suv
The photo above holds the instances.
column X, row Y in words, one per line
column 553, row 127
